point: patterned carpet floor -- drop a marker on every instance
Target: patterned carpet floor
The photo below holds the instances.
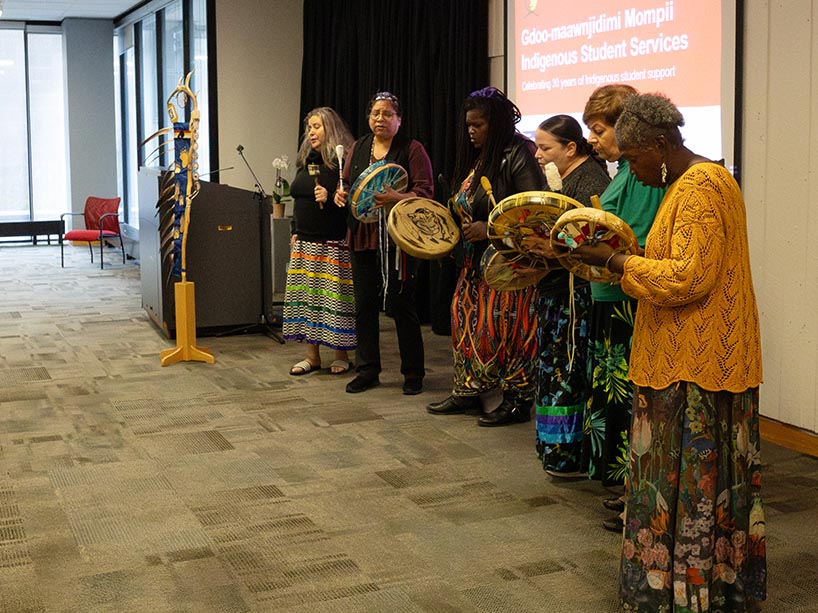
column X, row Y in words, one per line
column 126, row 486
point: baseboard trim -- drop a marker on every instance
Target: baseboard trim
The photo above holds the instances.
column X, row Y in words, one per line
column 797, row 439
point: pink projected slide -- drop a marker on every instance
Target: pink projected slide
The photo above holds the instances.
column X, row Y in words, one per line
column 562, row 51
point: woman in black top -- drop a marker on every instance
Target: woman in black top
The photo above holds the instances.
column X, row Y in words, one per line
column 378, row 268
column 494, row 333
column 319, row 305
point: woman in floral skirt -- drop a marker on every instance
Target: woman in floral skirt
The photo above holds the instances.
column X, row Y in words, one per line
column 694, row 534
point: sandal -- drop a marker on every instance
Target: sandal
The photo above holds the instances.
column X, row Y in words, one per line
column 303, row 367
column 343, row 365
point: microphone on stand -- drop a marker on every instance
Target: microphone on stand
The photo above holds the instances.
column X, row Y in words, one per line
column 213, row 172
column 262, row 193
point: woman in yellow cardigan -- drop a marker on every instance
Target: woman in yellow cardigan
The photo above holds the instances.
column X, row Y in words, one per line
column 694, row 527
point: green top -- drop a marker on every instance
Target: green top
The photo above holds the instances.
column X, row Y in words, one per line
column 636, row 205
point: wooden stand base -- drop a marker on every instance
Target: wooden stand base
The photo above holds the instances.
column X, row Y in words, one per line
column 186, row 350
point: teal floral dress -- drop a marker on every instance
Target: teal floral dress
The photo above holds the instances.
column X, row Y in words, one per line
column 608, row 418
column 694, row 528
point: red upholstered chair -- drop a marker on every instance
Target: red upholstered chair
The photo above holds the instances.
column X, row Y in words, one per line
column 101, row 224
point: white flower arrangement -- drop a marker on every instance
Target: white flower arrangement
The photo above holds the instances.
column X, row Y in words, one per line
column 281, row 189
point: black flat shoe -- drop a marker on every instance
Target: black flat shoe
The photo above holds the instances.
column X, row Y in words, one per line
column 412, row 386
column 456, row 405
column 614, row 524
column 509, row 412
column 361, row 384
column 614, row 504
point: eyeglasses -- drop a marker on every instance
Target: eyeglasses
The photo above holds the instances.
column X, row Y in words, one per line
column 384, row 114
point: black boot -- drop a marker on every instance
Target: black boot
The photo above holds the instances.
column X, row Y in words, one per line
column 510, row 411
column 457, row 405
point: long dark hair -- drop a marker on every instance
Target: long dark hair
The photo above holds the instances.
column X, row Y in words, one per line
column 502, row 115
column 565, row 129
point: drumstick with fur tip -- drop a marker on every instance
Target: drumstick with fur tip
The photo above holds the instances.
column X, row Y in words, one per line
column 484, row 181
column 339, row 153
column 552, row 177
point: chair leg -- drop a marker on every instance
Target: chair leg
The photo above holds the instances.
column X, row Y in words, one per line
column 62, row 254
column 101, row 252
column 122, row 246
column 91, row 249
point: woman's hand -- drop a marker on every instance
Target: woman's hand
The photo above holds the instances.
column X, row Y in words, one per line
column 475, row 231
column 594, row 255
column 539, row 245
column 388, row 197
column 321, row 194
column 524, row 271
column 340, row 199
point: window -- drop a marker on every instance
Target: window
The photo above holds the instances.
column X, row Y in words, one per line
column 157, row 47
column 49, row 180
column 149, row 100
column 15, row 202
column 32, row 125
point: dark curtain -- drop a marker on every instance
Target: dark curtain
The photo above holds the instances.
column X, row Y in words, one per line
column 430, row 55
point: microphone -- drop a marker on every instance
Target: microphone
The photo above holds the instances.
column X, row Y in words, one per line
column 213, row 172
column 240, row 148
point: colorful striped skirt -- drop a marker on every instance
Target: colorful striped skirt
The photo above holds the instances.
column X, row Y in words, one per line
column 319, row 304
column 563, row 387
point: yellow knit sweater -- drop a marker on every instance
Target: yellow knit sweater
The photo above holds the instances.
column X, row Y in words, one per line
column 697, row 318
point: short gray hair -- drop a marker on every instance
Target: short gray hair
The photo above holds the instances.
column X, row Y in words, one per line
column 646, row 116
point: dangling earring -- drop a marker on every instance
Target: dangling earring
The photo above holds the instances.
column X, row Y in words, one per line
column 664, row 173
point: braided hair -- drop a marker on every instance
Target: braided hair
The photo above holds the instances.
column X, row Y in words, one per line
column 502, row 115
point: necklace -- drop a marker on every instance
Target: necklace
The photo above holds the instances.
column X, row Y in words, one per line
column 372, row 158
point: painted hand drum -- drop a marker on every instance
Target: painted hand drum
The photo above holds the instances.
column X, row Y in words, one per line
column 589, row 224
column 423, row 228
column 502, row 274
column 372, row 181
column 523, row 215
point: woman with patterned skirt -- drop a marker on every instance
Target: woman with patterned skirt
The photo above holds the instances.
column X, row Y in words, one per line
column 564, row 307
column 494, row 338
column 694, row 531
column 605, row 445
column 319, row 305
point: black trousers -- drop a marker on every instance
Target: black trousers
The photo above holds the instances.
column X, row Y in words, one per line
column 400, row 305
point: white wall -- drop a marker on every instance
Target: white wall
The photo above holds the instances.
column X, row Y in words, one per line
column 259, row 53
column 780, row 184
column 89, row 82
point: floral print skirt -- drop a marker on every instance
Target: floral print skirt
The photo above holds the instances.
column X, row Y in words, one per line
column 608, row 419
column 694, row 528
